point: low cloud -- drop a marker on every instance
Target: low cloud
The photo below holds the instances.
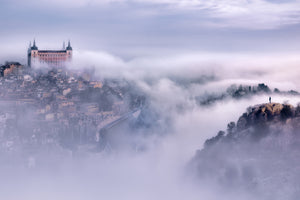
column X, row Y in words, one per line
column 170, row 83
column 274, row 69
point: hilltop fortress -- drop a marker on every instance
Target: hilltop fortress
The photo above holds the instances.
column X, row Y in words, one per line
column 52, row 58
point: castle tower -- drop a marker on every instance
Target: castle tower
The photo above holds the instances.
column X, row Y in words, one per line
column 32, row 54
column 69, row 50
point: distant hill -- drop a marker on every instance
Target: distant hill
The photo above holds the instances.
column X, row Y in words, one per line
column 240, row 92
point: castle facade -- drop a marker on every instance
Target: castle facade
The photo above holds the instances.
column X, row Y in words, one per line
column 51, row 58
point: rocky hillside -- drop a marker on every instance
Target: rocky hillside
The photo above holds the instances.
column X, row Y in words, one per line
column 259, row 154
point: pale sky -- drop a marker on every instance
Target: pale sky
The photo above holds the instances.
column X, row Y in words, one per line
column 131, row 28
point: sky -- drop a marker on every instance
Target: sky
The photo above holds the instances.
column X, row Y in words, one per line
column 135, row 28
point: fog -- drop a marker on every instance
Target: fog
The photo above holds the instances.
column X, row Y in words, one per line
column 279, row 69
column 171, row 84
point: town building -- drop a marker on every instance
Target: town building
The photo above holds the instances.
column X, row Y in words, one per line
column 50, row 58
column 9, row 68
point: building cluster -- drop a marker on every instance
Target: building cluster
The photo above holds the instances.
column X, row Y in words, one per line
column 56, row 110
column 9, row 68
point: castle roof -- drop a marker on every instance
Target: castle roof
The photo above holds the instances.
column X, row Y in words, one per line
column 34, row 47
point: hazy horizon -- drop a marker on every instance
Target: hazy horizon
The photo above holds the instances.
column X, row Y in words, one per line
column 137, row 28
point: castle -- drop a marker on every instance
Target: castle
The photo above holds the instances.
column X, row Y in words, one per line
column 51, row 58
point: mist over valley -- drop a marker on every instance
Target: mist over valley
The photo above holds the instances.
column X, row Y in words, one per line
column 143, row 99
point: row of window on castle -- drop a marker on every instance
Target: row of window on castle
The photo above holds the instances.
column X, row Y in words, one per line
column 52, row 55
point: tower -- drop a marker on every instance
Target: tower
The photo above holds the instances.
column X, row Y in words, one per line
column 32, row 54
column 69, row 50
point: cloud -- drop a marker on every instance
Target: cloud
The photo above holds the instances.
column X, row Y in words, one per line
column 276, row 68
column 133, row 28
column 245, row 14
column 252, row 14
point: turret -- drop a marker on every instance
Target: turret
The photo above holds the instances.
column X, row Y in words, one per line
column 69, row 46
column 34, row 47
column 32, row 53
column 69, row 50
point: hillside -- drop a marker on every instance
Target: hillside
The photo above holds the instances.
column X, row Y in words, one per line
column 259, row 153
